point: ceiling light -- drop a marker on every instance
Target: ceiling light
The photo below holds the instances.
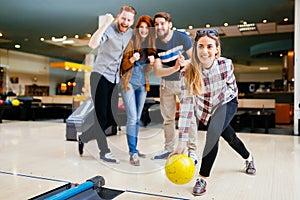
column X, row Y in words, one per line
column 17, row 46
column 290, row 53
column 42, row 39
column 264, row 21
column 190, row 27
column 1, row 34
column 286, row 19
column 54, row 39
column 207, row 25
column 88, row 35
column 247, row 27
column 76, row 36
column 226, row 24
column 264, row 68
column 68, row 42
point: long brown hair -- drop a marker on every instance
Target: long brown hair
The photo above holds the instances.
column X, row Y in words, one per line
column 150, row 40
column 193, row 74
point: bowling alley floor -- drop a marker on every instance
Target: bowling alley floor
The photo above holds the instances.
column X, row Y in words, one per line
column 35, row 158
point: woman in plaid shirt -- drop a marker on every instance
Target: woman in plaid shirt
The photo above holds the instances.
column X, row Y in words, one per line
column 210, row 92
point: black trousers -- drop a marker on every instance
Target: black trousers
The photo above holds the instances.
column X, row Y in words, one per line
column 219, row 125
column 105, row 98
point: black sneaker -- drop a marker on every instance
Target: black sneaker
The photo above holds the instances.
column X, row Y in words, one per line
column 109, row 157
column 200, row 187
column 80, row 146
column 162, row 155
column 250, row 168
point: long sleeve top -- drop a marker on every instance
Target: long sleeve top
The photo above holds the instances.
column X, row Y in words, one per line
column 219, row 88
column 127, row 66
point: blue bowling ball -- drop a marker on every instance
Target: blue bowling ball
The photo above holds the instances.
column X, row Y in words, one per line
column 7, row 102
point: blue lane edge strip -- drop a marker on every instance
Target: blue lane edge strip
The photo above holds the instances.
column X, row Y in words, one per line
column 72, row 192
column 63, row 181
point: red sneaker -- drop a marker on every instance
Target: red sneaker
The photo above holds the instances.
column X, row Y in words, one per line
column 200, row 187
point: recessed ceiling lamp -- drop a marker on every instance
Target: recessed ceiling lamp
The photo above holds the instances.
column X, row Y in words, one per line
column 42, row 39
column 265, row 21
column 190, row 27
column 17, row 46
column 207, row 25
column 286, row 19
column 226, row 24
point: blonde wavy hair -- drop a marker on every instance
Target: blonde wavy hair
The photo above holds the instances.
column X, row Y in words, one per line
column 193, row 73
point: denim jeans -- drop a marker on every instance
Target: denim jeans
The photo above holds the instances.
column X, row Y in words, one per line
column 134, row 100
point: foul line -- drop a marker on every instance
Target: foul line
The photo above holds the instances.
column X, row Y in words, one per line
column 34, row 177
column 157, row 195
column 62, row 181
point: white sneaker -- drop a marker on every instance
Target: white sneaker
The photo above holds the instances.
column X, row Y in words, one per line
column 193, row 156
column 134, row 159
column 162, row 155
column 109, row 157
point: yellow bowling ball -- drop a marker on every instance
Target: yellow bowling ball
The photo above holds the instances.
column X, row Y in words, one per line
column 15, row 102
column 180, row 169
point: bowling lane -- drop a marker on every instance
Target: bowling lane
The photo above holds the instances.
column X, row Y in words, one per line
column 39, row 149
column 15, row 186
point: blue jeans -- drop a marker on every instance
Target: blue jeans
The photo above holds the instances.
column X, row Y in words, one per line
column 134, row 100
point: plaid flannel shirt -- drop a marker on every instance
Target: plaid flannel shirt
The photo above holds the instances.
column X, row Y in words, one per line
column 219, row 88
